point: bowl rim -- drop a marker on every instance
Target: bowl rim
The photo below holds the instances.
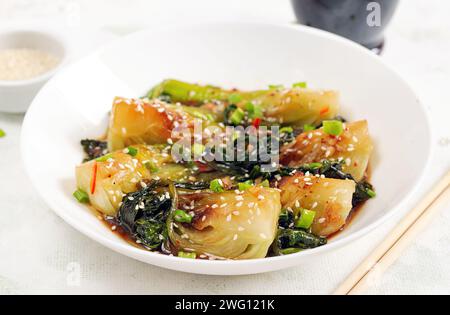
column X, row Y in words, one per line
column 138, row 253
column 49, row 34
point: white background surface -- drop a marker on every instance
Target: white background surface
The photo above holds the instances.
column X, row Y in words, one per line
column 39, row 253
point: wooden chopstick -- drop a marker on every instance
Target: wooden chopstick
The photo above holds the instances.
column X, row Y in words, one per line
column 399, row 238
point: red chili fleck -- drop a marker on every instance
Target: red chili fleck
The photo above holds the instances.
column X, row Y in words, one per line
column 256, row 122
column 94, row 178
column 324, row 110
column 202, row 168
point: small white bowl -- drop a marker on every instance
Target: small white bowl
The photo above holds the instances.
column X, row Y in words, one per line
column 17, row 95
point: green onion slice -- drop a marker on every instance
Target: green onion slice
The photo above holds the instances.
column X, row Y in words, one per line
column 333, row 127
column 216, row 186
column 306, row 219
column 371, row 193
column 182, row 216
column 132, row 151
column 81, row 196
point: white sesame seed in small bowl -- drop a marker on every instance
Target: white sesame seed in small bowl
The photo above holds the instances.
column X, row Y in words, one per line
column 28, row 59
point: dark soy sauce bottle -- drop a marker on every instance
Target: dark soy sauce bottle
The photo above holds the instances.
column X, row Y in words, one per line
column 362, row 21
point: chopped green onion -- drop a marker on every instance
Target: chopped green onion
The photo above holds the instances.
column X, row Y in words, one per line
column 245, row 185
column 132, row 151
column 276, row 86
column 181, row 216
column 234, row 98
column 151, row 166
column 253, row 110
column 265, row 183
column 187, row 255
column 2, row 133
column 216, row 186
column 81, row 196
column 286, row 130
column 290, row 250
column 237, row 116
column 300, row 84
column 306, row 219
column 308, row 127
column 198, row 149
column 333, row 127
column 104, row 158
column 370, row 193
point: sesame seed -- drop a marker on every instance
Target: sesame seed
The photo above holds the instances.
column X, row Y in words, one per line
column 235, row 237
column 262, row 235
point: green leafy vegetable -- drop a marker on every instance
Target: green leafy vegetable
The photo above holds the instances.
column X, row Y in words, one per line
column 253, row 110
column 286, row 219
column 94, row 149
column 308, row 128
column 143, row 214
column 300, row 239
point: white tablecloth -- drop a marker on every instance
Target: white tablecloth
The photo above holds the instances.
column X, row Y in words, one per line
column 39, row 253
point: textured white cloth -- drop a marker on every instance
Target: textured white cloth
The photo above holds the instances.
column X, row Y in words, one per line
column 39, row 253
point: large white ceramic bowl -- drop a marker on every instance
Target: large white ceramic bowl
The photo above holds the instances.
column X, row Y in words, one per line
column 74, row 105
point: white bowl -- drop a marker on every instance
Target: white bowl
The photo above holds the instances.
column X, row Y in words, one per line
column 74, row 105
column 16, row 96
